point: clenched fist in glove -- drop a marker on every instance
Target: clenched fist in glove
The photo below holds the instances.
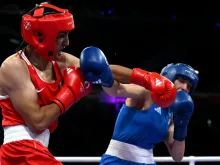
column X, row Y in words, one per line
column 74, row 88
column 95, row 67
column 182, row 110
column 163, row 91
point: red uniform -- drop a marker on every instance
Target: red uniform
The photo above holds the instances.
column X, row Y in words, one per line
column 21, row 146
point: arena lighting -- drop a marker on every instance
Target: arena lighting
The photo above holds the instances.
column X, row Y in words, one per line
column 173, row 16
column 117, row 101
column 108, row 12
column 110, row 99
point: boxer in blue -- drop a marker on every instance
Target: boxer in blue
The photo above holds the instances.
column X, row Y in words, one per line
column 143, row 120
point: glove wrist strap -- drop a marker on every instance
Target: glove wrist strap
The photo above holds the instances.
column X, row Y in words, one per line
column 64, row 99
column 180, row 133
column 138, row 77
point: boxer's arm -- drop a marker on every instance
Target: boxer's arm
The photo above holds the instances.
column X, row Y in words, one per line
column 127, row 91
column 121, row 73
column 175, row 148
column 23, row 95
column 67, row 60
column 72, row 60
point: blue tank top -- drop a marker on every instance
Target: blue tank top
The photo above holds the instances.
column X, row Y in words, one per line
column 143, row 128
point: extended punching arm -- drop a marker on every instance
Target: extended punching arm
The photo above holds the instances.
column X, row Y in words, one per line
column 94, row 65
column 121, row 73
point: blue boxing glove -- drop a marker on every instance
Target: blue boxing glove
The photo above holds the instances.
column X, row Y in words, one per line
column 95, row 67
column 182, row 109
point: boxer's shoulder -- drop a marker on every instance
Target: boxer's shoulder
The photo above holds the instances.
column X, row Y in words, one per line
column 13, row 62
column 12, row 70
column 65, row 60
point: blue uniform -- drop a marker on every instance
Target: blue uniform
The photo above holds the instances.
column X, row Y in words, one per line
column 140, row 128
column 137, row 131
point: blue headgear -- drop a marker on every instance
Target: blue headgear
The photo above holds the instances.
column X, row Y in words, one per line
column 173, row 71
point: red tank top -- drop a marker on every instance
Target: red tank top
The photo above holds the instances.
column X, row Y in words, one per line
column 45, row 90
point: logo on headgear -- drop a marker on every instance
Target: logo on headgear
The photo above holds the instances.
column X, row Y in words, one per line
column 27, row 25
column 43, row 23
column 70, row 23
column 191, row 74
column 173, row 71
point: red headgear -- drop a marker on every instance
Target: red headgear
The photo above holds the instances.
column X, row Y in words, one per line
column 40, row 31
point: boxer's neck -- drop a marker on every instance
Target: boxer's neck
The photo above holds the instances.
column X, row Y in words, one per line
column 36, row 60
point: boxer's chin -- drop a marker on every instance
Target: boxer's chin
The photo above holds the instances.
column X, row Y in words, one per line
column 58, row 55
column 179, row 89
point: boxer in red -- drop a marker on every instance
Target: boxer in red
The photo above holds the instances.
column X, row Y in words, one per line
column 37, row 86
column 41, row 82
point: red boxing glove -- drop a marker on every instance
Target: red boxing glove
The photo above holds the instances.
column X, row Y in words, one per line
column 74, row 88
column 163, row 91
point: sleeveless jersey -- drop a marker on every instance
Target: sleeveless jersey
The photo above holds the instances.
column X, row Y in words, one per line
column 45, row 90
column 142, row 128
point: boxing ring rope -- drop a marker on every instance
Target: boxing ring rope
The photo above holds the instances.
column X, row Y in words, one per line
column 191, row 159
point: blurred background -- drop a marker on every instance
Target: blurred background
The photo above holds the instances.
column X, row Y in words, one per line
column 144, row 34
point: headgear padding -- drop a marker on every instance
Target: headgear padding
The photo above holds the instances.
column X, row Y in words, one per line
column 40, row 30
column 173, row 71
